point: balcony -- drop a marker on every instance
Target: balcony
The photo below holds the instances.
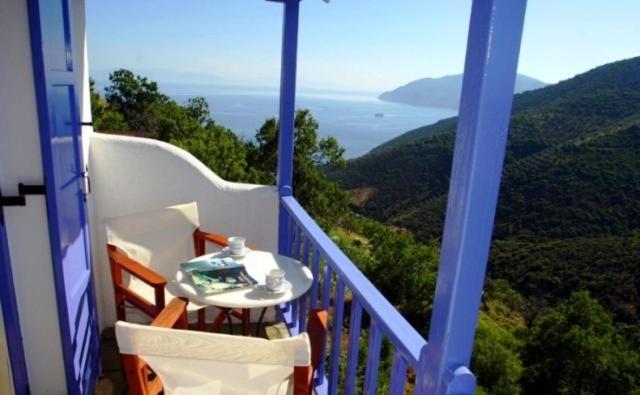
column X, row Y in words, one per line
column 130, row 175
column 368, row 337
column 156, row 174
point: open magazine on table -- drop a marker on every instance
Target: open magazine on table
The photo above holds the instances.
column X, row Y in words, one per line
column 217, row 275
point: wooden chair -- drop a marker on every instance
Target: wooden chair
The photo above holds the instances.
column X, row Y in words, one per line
column 145, row 249
column 171, row 352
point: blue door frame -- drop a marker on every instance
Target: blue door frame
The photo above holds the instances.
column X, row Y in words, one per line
column 10, row 315
column 51, row 26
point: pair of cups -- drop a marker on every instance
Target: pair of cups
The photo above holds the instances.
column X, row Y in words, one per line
column 275, row 278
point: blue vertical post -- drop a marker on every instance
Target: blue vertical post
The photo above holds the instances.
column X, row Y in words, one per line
column 493, row 47
column 287, row 114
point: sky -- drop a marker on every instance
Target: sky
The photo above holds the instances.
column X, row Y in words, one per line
column 348, row 45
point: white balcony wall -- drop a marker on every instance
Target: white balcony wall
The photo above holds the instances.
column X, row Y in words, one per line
column 131, row 175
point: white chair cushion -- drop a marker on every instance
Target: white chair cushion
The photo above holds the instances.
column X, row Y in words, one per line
column 190, row 362
column 159, row 239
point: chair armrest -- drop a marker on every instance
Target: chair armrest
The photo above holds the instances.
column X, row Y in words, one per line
column 136, row 269
column 200, row 237
column 210, row 237
column 174, row 315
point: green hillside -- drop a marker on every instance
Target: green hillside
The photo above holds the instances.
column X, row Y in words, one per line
column 570, row 193
column 619, row 76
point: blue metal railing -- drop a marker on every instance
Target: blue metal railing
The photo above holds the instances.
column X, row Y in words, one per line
column 336, row 277
column 495, row 32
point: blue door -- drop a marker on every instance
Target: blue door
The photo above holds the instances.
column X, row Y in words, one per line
column 56, row 79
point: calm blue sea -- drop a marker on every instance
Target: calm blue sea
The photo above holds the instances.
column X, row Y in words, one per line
column 349, row 117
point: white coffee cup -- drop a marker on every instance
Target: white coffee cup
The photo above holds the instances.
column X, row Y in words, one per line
column 275, row 279
column 236, row 245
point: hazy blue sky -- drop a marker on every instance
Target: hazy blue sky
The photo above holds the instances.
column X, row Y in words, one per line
column 347, row 44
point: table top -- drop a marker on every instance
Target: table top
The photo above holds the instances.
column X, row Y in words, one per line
column 257, row 264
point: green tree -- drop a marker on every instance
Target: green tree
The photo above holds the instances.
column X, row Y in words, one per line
column 221, row 151
column 403, row 269
column 138, row 100
column 324, row 199
column 576, row 349
column 198, row 109
column 496, row 357
column 103, row 117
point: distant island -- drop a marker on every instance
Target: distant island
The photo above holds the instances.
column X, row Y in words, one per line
column 444, row 92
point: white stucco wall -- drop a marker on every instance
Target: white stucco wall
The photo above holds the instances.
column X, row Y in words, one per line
column 20, row 161
column 131, row 175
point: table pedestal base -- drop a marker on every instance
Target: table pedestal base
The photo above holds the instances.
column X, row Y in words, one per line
column 244, row 315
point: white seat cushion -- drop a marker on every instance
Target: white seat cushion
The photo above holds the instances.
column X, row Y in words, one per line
column 194, row 363
column 159, row 239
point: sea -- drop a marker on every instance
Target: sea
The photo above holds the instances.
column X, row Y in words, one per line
column 358, row 120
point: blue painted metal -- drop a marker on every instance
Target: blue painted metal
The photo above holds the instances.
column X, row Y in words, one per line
column 326, row 290
column 495, row 33
column 306, row 246
column 303, row 300
column 355, row 322
column 392, row 324
column 398, row 374
column 326, row 285
column 51, row 25
column 373, row 359
column 336, row 338
column 293, row 325
column 294, row 235
column 459, row 381
column 286, row 118
column 315, row 269
column 10, row 316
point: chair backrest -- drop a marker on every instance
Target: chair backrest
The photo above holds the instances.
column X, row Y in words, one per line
column 209, row 363
column 159, row 239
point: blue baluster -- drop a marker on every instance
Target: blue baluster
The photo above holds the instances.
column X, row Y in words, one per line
column 302, row 301
column 398, row 374
column 295, row 233
column 293, row 325
column 327, row 279
column 326, row 290
column 373, row 358
column 305, row 253
column 315, row 268
column 355, row 322
column 336, row 338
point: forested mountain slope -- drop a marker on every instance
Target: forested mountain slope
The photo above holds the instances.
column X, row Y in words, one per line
column 570, row 189
column 620, row 76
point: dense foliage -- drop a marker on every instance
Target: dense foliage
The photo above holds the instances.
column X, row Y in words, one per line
column 134, row 105
column 568, row 220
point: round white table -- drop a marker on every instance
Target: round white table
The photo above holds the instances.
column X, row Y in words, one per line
column 257, row 264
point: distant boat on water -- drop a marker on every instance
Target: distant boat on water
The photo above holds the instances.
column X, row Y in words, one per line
column 379, row 115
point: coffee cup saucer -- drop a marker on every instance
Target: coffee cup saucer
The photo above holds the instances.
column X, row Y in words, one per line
column 244, row 252
column 284, row 287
